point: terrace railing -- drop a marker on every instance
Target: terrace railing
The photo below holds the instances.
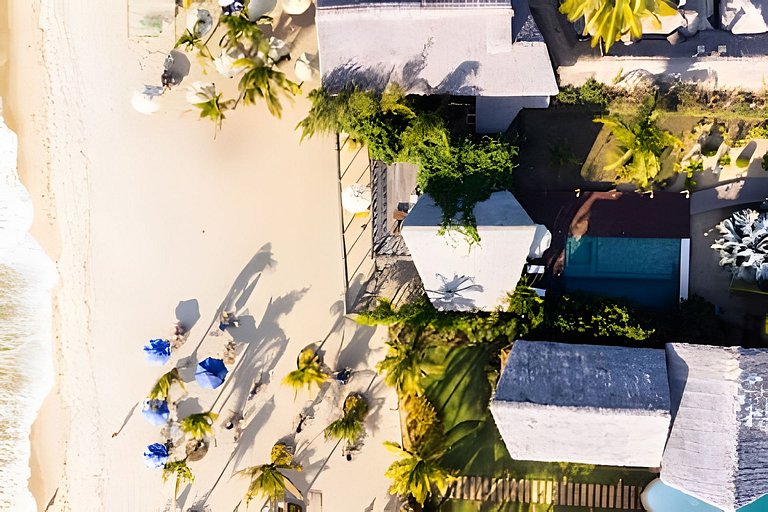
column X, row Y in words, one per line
column 562, row 493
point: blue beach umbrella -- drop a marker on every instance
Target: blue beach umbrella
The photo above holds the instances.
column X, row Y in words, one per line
column 156, row 412
column 211, row 373
column 157, row 352
column 155, row 456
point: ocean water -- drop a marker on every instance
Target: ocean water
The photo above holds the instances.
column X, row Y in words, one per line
column 26, row 373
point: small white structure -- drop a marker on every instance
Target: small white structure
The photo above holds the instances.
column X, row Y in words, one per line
column 482, row 48
column 558, row 402
column 460, row 277
column 718, row 445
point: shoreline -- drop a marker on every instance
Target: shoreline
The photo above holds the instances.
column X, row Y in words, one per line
column 151, row 219
column 24, row 90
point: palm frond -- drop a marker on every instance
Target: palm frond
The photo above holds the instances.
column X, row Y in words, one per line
column 199, row 426
column 162, row 388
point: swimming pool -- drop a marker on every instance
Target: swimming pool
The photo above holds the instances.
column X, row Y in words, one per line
column 645, row 271
column 659, row 497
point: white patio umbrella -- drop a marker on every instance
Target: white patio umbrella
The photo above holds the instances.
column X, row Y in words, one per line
column 306, row 67
column 144, row 101
column 199, row 22
column 356, row 198
column 278, row 49
column 296, row 7
column 259, row 8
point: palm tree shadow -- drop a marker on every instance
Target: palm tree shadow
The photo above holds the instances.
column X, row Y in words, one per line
column 373, row 420
column 264, row 349
column 248, row 437
column 355, row 352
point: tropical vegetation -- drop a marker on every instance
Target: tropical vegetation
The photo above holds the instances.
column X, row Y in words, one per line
column 309, row 371
column 417, row 474
column 198, row 426
column 349, row 427
column 609, row 20
column 179, row 470
column 268, row 480
column 641, row 144
column 162, row 388
column 743, row 245
column 245, row 50
column 457, row 171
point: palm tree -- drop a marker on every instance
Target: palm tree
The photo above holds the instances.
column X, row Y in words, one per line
column 641, row 145
column 308, row 371
column 212, row 106
column 350, row 426
column 415, row 473
column 261, row 80
column 198, row 426
column 268, row 480
column 162, row 387
column 405, row 366
column 609, row 20
column 181, row 471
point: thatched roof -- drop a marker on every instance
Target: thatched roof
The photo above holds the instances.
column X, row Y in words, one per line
column 583, row 403
column 718, row 446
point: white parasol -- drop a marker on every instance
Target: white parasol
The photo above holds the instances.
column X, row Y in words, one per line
column 144, row 101
column 199, row 22
column 296, row 7
column 306, row 67
column 356, row 198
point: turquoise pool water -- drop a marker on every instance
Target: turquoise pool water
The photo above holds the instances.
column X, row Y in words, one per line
column 644, row 270
column 659, row 497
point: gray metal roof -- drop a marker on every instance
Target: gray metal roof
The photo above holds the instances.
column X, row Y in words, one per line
column 718, row 445
column 567, row 375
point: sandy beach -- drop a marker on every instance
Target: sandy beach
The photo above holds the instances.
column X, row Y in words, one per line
column 150, row 219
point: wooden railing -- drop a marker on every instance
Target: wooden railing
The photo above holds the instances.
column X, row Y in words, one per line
column 550, row 492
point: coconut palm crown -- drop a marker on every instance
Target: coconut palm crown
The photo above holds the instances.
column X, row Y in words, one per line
column 162, row 388
column 641, row 144
column 181, row 471
column 308, row 371
column 198, row 426
column 416, row 473
column 609, row 20
column 268, row 480
column 350, row 426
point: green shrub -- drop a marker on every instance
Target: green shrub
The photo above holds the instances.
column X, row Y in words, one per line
column 591, row 93
column 594, row 93
column 568, row 95
column 724, row 160
column 456, row 172
column 586, row 318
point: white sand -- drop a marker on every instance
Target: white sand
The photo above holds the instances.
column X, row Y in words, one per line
column 151, row 211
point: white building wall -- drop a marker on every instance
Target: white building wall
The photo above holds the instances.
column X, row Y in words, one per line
column 616, row 437
column 496, row 113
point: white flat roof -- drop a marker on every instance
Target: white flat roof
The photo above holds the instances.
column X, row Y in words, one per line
column 459, row 51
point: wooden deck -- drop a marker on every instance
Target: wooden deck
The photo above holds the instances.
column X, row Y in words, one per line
column 550, row 492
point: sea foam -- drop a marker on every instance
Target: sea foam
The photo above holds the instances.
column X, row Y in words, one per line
column 26, row 368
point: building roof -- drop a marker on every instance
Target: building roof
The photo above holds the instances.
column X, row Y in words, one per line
column 583, row 403
column 591, row 376
column 459, row 277
column 459, row 47
column 718, row 445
